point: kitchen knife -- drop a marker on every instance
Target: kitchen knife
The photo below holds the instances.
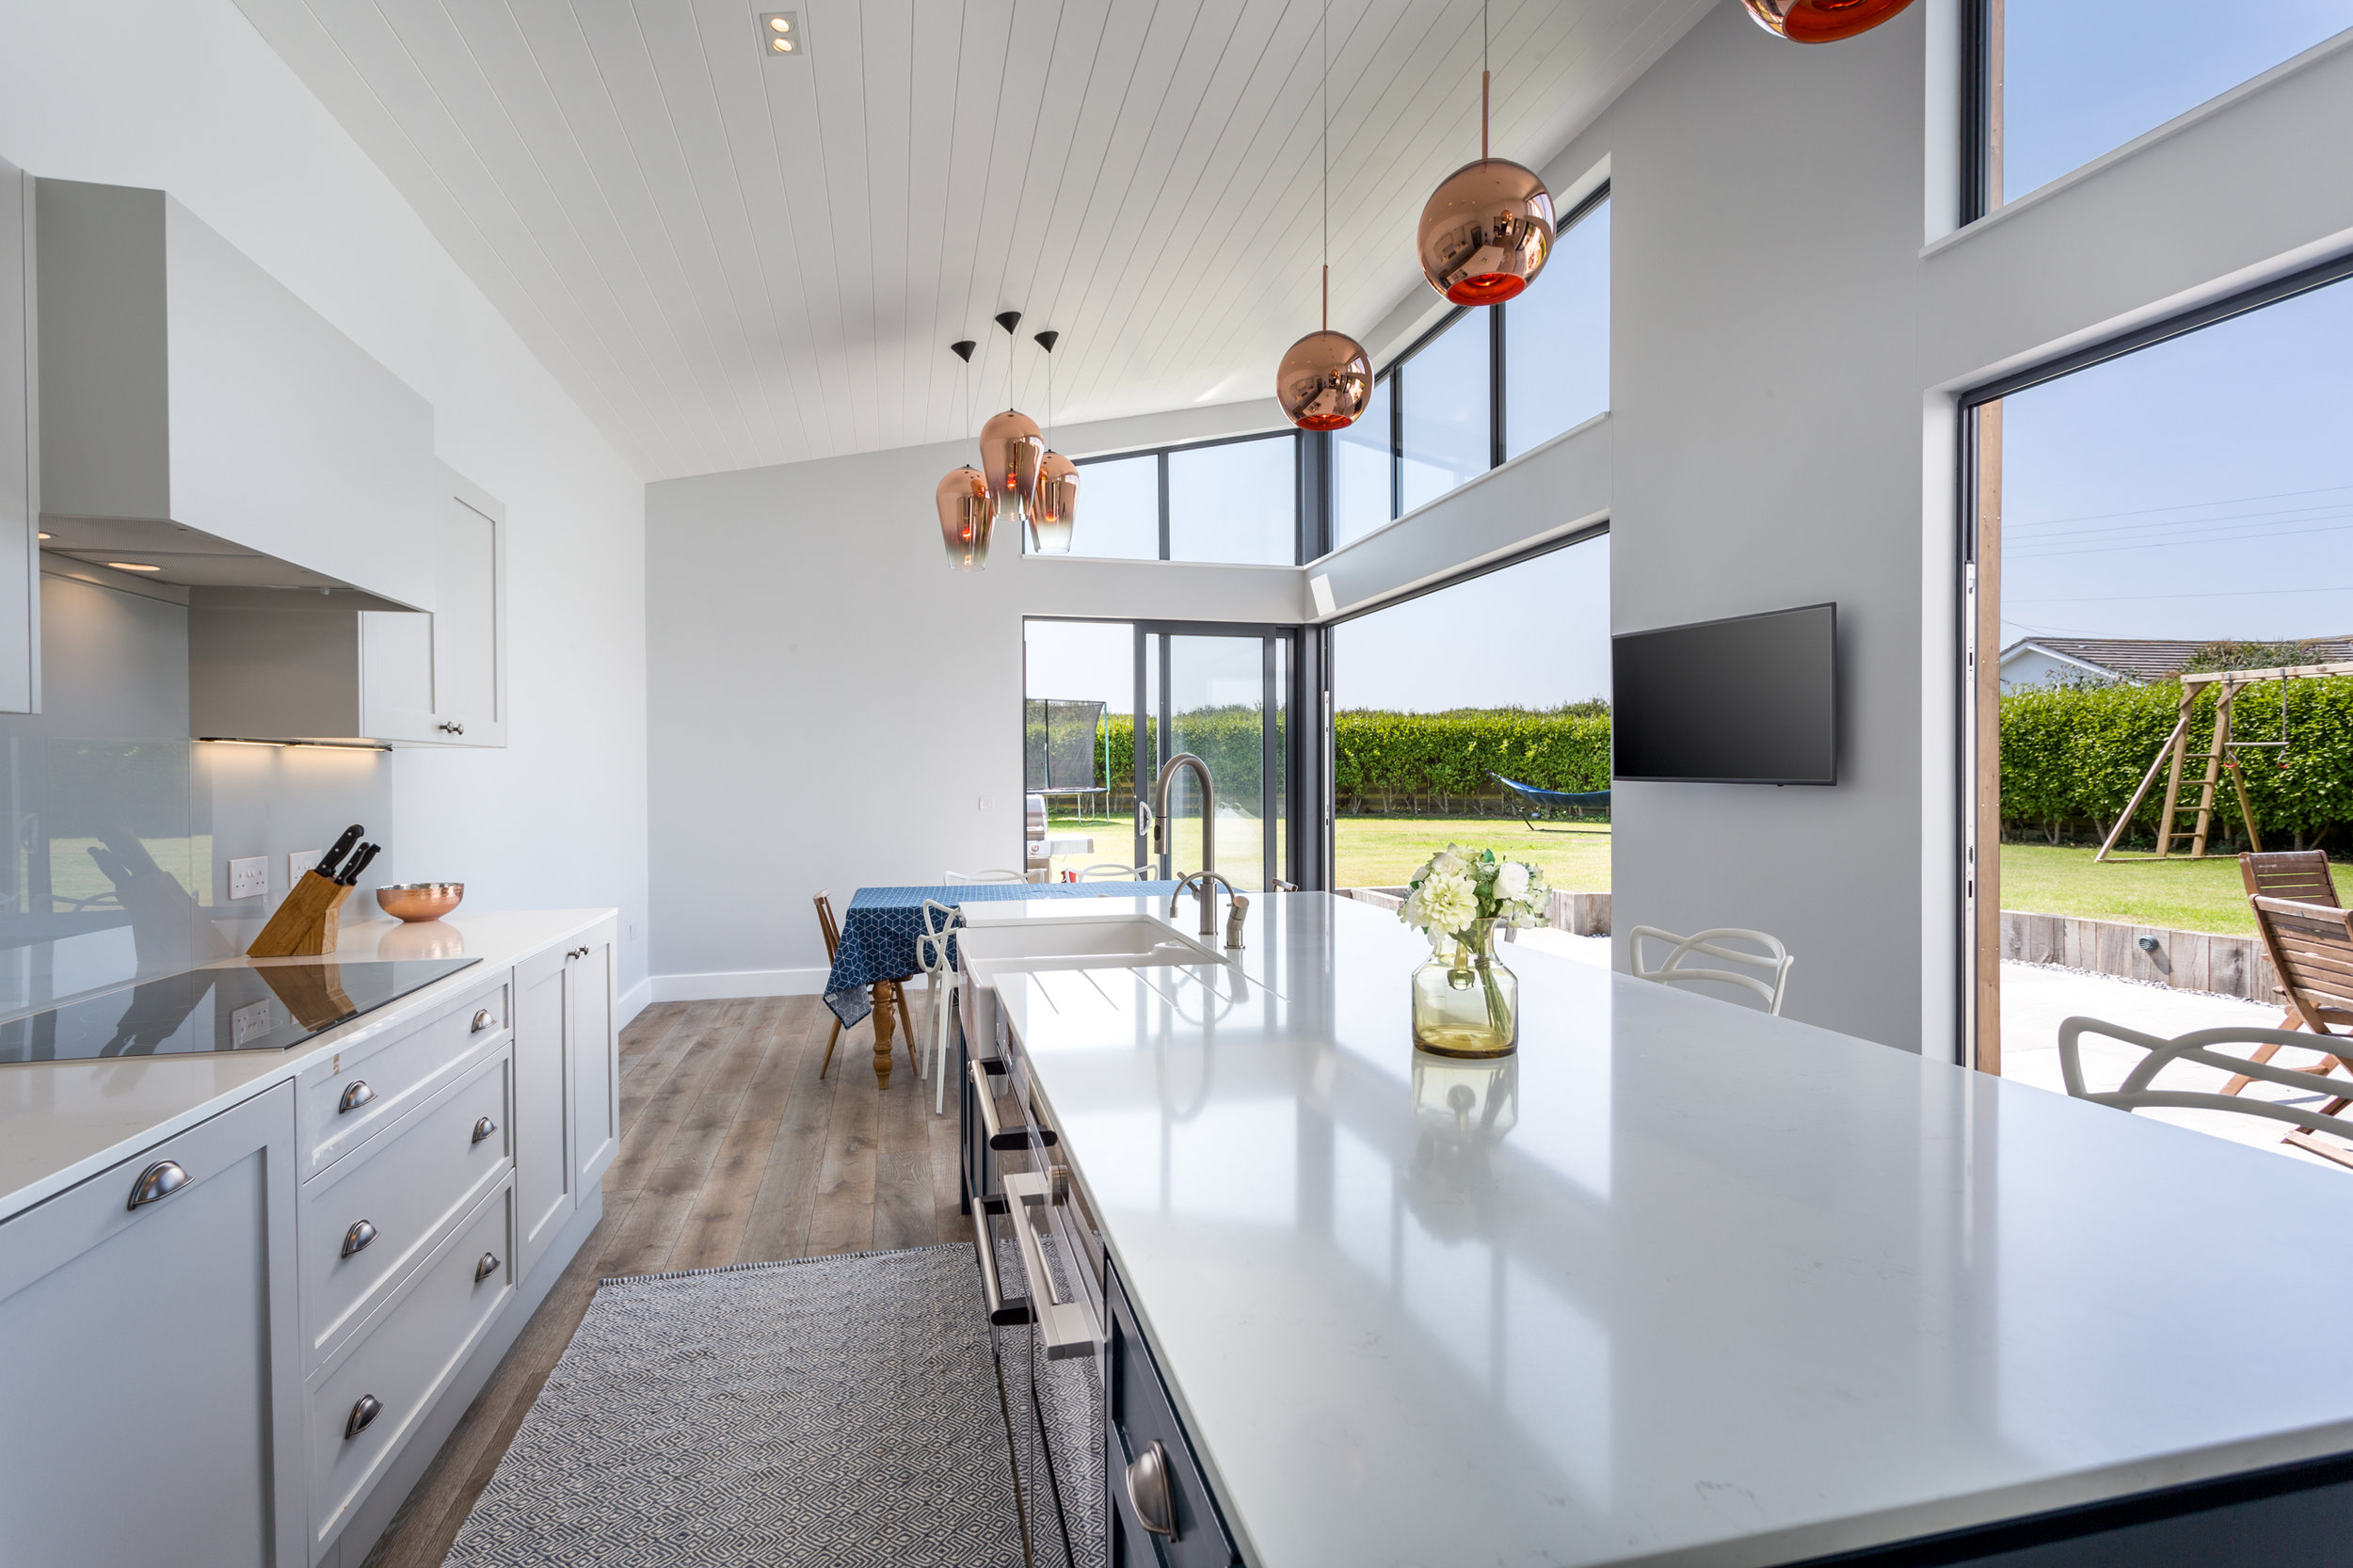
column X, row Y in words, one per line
column 359, row 863
column 333, row 858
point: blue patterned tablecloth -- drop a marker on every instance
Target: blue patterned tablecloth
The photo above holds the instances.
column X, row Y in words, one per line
column 880, row 927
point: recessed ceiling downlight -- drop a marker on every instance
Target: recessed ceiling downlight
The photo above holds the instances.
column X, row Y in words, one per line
column 781, row 34
column 133, row 565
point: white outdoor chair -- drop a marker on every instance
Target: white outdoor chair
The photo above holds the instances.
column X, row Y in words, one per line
column 1112, row 872
column 958, row 879
column 1774, row 961
column 931, row 950
column 2198, row 1046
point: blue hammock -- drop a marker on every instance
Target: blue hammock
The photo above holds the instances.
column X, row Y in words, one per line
column 1553, row 800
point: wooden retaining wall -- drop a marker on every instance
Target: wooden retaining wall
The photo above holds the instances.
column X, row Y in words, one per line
column 1578, row 914
column 2186, row 960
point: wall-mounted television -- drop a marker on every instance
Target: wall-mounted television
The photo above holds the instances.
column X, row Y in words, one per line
column 1750, row 700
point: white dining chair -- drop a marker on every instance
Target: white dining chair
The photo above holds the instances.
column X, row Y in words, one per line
column 2199, row 1047
column 1679, row 969
column 932, row 951
column 958, row 879
column 1109, row 870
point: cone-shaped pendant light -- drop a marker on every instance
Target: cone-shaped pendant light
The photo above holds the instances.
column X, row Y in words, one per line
column 1011, row 448
column 1325, row 378
column 1487, row 229
column 966, row 513
column 1054, row 503
column 1821, row 20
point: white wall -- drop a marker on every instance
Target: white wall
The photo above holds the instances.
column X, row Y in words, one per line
column 830, row 702
column 183, row 95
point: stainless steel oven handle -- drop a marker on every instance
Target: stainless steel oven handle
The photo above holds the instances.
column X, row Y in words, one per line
column 987, row 1098
column 1001, row 1312
column 1069, row 1328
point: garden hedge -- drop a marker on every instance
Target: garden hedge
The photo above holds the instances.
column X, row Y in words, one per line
column 2073, row 755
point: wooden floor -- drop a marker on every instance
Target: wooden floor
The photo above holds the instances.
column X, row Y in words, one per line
column 732, row 1151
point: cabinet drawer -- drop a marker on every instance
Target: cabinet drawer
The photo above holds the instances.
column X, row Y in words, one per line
column 1139, row 1413
column 400, row 1363
column 402, row 1189
column 359, row 1093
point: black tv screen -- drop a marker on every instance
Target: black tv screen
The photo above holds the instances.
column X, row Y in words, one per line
column 1751, row 700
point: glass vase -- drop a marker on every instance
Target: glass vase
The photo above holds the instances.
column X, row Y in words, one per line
column 1465, row 1003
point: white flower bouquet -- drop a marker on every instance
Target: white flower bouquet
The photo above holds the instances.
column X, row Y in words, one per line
column 1457, row 888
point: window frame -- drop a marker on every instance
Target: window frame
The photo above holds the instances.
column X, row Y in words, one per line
column 1976, row 587
column 1303, row 483
column 1497, row 414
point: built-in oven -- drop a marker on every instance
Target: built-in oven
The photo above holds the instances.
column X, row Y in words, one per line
column 1042, row 1267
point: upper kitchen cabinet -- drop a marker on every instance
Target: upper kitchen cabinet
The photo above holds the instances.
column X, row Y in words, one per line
column 20, row 451
column 298, row 667
column 196, row 417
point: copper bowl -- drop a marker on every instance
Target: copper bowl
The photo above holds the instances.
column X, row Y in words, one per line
column 420, row 900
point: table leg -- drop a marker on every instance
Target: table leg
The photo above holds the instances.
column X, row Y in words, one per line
column 886, row 994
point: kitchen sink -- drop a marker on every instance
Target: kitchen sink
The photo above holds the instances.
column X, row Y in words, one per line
column 988, row 951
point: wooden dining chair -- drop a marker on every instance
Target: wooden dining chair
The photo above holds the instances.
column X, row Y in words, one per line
column 831, row 929
column 2312, row 935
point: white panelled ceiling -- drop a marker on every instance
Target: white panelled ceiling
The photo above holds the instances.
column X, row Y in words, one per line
column 734, row 259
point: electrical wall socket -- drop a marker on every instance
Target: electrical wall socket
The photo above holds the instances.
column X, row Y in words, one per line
column 984, row 803
column 248, row 878
column 300, row 860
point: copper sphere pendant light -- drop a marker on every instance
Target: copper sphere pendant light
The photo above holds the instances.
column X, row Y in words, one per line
column 967, row 515
column 1821, row 20
column 1011, row 447
column 1054, row 503
column 1486, row 231
column 1325, row 378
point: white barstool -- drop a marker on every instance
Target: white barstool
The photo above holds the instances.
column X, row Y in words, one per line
column 932, row 951
column 1678, row 969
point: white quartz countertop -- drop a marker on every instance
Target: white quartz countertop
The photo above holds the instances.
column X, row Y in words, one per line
column 61, row 1122
column 1680, row 1283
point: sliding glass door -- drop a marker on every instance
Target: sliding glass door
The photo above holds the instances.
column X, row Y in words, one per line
column 1222, row 693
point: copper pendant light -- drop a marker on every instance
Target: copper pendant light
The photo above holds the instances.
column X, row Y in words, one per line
column 968, row 517
column 1821, row 20
column 1054, row 502
column 1325, row 378
column 1487, row 229
column 1011, row 447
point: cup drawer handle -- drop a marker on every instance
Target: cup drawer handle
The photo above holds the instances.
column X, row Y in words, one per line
column 358, row 1236
column 355, row 1095
column 159, row 1180
column 481, row 1021
column 483, row 1129
column 1148, row 1491
column 486, row 1266
column 364, row 1410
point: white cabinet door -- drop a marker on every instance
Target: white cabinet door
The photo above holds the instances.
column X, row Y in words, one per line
column 152, row 1379
column 594, row 1059
column 543, row 1186
column 441, row 678
column 20, row 452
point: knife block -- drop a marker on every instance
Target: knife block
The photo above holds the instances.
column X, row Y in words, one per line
column 306, row 923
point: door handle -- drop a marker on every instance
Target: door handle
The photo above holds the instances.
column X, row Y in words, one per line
column 483, row 1129
column 1149, row 1493
column 486, row 1268
column 358, row 1236
column 450, row 729
column 367, row 1407
column 159, row 1180
column 481, row 1021
column 356, row 1096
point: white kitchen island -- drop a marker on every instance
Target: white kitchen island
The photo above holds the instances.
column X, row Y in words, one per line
column 1680, row 1283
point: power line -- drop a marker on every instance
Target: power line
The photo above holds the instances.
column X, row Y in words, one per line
column 2224, row 593
column 2178, row 507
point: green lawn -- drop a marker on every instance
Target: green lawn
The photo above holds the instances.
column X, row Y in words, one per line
column 1376, row 852
column 2185, row 895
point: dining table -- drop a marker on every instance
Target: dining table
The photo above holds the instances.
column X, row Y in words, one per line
column 878, row 953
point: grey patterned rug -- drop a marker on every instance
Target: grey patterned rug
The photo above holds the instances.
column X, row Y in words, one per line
column 833, row 1410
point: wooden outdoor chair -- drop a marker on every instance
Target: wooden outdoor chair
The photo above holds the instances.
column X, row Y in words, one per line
column 2311, row 946
column 831, row 929
column 2299, row 877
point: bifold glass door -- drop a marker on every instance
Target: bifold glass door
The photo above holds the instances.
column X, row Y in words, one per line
column 1222, row 695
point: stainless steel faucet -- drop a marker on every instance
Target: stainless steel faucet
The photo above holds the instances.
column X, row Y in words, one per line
column 1209, row 813
column 1237, row 906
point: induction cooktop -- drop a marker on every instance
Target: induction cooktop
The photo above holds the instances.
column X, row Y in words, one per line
column 268, row 1007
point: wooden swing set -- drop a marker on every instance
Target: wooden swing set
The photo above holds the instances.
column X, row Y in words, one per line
column 2173, row 758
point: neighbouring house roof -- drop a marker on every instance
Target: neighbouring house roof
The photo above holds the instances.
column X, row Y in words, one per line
column 2151, row 658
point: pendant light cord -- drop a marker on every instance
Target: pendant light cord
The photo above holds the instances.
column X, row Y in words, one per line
column 1323, row 146
column 1483, row 75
